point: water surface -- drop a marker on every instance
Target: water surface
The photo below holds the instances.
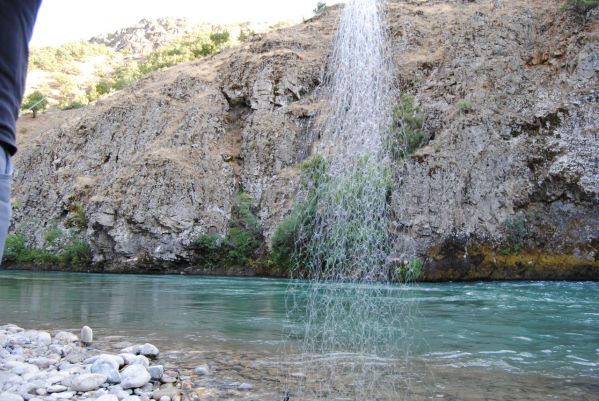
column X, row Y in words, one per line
column 545, row 332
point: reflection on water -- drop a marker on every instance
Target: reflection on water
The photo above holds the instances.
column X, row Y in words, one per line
column 544, row 331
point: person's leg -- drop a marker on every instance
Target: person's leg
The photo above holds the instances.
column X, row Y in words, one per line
column 17, row 18
column 5, row 184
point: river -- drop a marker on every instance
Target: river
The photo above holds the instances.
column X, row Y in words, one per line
column 515, row 340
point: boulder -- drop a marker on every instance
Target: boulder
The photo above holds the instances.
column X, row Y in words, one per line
column 134, row 376
column 87, row 335
column 85, row 382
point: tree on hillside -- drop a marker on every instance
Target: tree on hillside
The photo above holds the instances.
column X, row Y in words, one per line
column 35, row 102
column 320, row 8
column 220, row 38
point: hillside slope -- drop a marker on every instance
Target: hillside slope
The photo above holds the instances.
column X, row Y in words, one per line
column 507, row 187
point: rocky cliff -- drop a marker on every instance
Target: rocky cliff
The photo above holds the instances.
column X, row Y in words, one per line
column 507, row 187
column 146, row 36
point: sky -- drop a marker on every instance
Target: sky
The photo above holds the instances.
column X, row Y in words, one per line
column 61, row 21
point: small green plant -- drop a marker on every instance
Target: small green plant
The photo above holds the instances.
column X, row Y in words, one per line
column 35, row 103
column 515, row 233
column 580, row 6
column 245, row 33
column 77, row 218
column 408, row 271
column 53, row 236
column 321, row 7
column 76, row 252
column 465, row 106
column 407, row 133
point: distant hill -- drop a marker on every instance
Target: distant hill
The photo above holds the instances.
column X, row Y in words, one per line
column 78, row 73
column 145, row 37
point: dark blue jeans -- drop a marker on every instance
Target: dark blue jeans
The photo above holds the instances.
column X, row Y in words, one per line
column 5, row 184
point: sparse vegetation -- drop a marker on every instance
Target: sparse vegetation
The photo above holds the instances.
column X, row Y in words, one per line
column 465, row 106
column 408, row 271
column 321, row 7
column 245, row 33
column 515, row 233
column 240, row 244
column 189, row 47
column 581, row 6
column 61, row 58
column 287, row 248
column 407, row 133
column 77, row 218
column 35, row 102
column 58, row 249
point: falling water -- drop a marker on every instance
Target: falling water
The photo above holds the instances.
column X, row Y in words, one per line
column 356, row 331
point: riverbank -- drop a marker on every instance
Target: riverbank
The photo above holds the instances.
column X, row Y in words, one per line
column 37, row 365
column 440, row 266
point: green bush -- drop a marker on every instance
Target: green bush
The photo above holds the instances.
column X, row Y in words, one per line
column 288, row 250
column 581, row 6
column 410, row 271
column 220, row 39
column 407, row 133
column 515, row 233
column 187, row 48
column 76, row 253
column 17, row 251
column 53, row 236
column 241, row 243
column 67, row 251
column 209, row 247
column 294, row 243
column 77, row 217
column 285, row 240
column 35, row 103
column 15, row 245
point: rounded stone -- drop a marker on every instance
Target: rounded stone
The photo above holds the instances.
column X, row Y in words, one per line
column 202, row 370
column 85, row 382
column 107, row 397
column 140, row 360
column 156, row 372
column 87, row 335
column 107, row 368
column 64, row 337
column 149, row 350
column 10, row 397
column 57, row 388
column 134, row 376
column 245, row 387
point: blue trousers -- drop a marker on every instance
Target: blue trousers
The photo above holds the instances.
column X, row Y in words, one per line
column 5, row 186
column 17, row 18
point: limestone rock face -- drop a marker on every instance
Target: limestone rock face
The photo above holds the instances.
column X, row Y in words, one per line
column 508, row 91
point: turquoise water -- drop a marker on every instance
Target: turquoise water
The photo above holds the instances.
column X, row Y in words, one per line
column 550, row 329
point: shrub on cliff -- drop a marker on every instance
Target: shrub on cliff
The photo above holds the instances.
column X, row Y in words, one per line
column 581, row 6
column 58, row 249
column 321, row 7
column 240, row 244
column 407, row 133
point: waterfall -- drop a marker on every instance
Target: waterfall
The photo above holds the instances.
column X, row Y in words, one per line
column 354, row 326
